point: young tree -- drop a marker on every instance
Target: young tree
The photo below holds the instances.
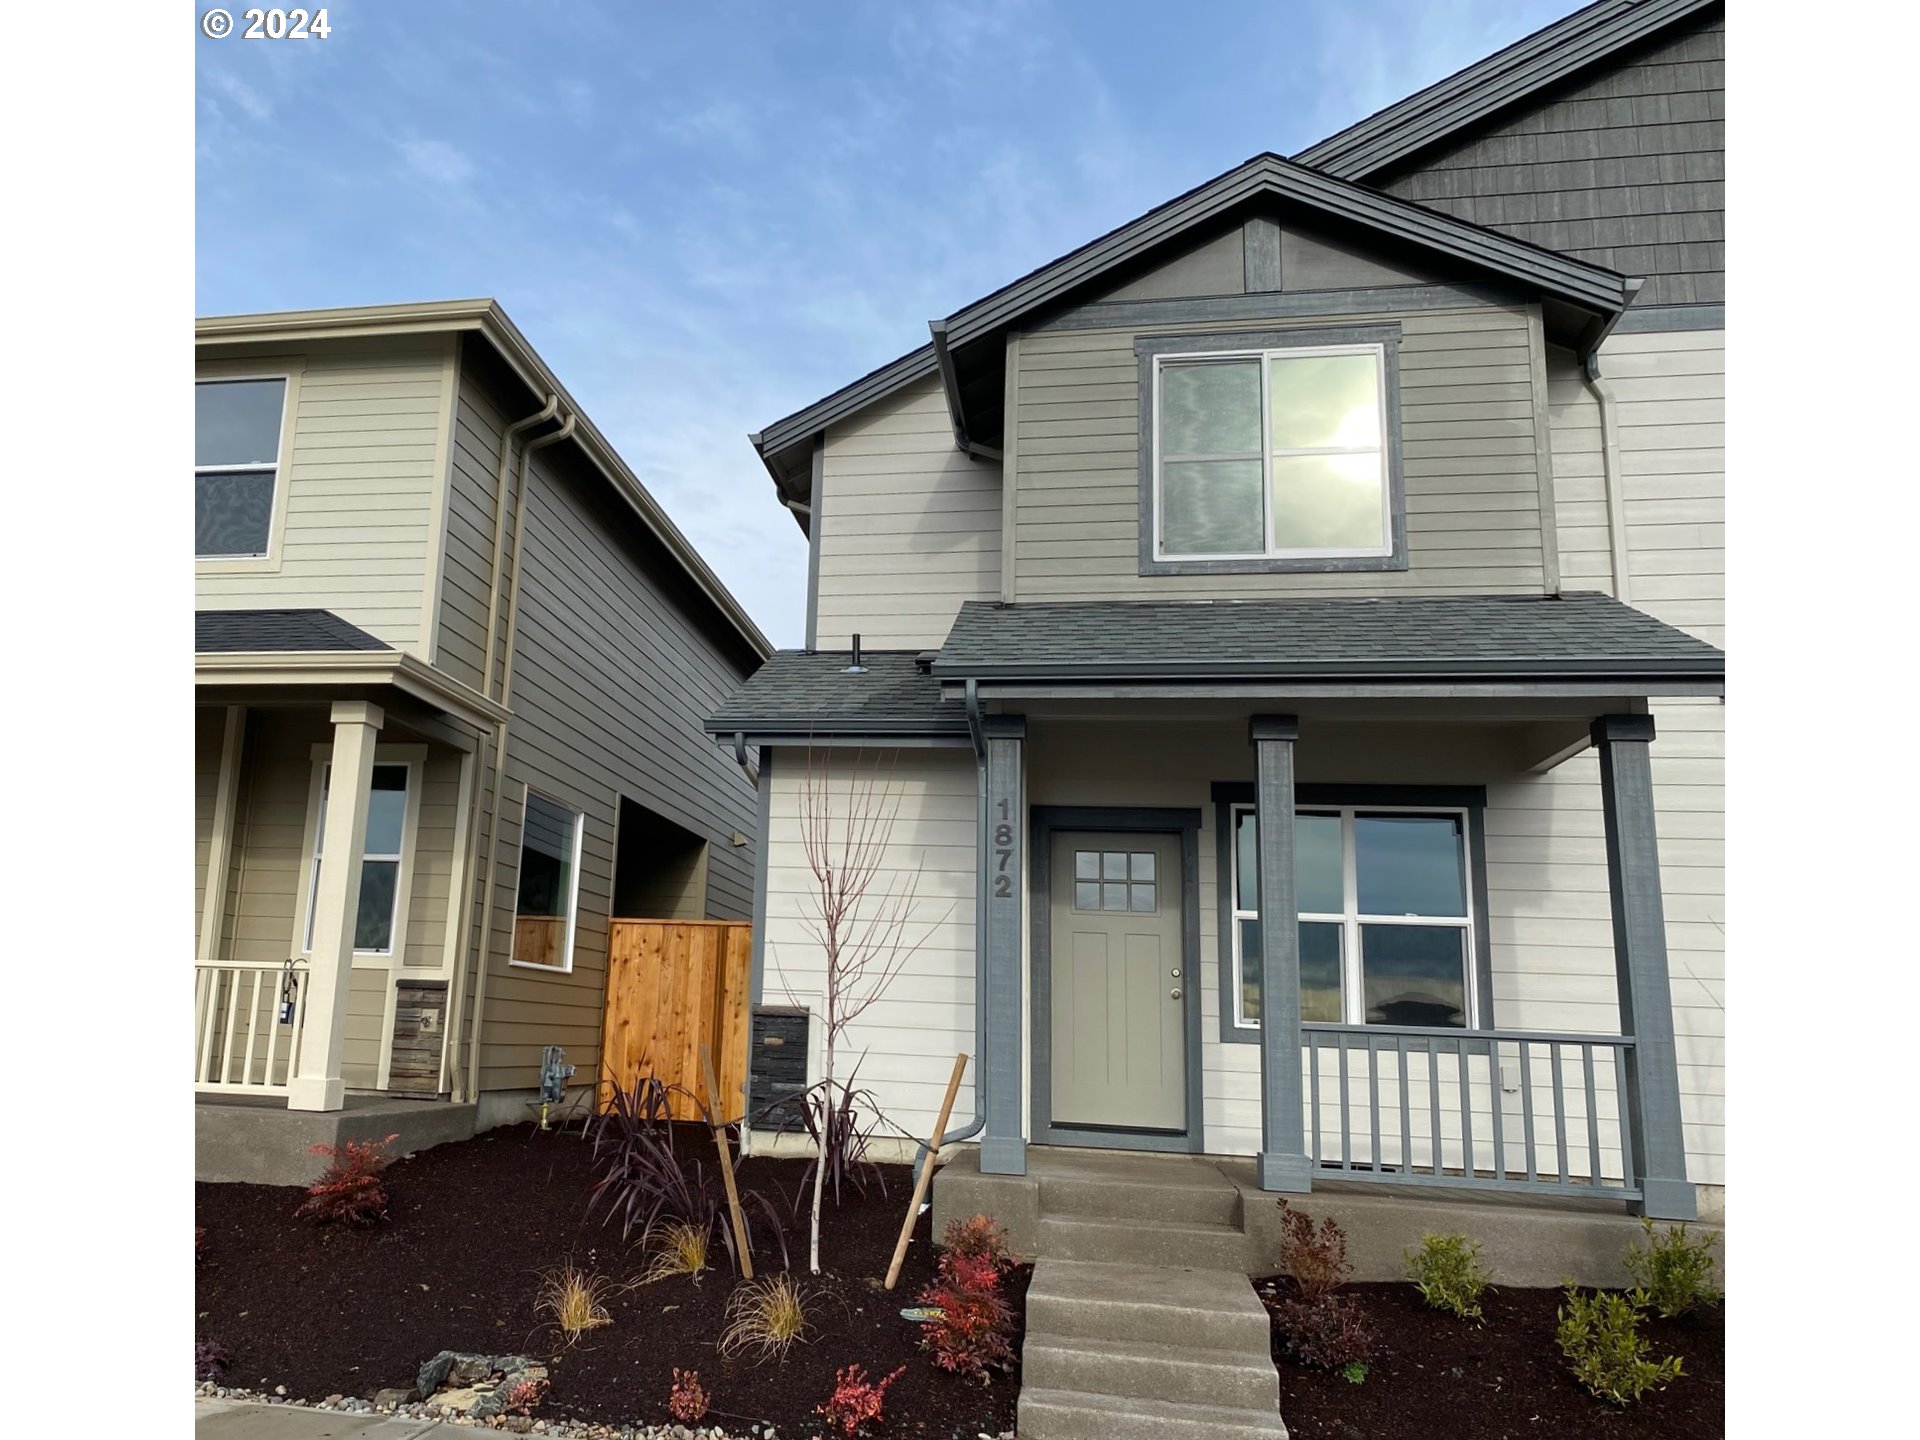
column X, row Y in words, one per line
column 862, row 911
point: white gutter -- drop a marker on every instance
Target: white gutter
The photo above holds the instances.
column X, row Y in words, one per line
column 1613, row 484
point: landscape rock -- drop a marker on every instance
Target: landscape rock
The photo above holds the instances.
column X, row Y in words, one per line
column 475, row 1386
column 396, row 1397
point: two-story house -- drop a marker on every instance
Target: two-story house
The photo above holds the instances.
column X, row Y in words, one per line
column 1288, row 625
column 451, row 664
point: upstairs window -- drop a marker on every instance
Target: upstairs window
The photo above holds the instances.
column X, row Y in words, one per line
column 236, row 464
column 1276, row 456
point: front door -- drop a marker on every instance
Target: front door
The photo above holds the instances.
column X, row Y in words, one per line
column 1116, row 982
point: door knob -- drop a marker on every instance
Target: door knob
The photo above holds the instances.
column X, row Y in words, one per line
column 1174, row 994
column 1175, row 972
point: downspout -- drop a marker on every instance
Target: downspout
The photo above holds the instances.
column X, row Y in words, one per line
column 500, row 744
column 980, row 863
column 457, row 999
column 1611, row 480
column 1612, row 483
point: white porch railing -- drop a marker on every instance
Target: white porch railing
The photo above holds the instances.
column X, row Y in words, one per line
column 239, row 1045
column 1487, row 1109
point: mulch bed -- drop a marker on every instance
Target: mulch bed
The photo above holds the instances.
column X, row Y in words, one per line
column 1435, row 1377
column 324, row 1310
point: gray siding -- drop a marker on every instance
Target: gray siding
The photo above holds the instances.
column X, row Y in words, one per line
column 1472, row 474
column 909, row 526
column 1624, row 168
column 362, row 496
column 615, row 667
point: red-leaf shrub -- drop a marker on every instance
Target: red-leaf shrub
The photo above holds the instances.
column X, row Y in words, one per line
column 210, row 1359
column 687, row 1399
column 351, row 1191
column 855, row 1399
column 975, row 1326
column 977, row 1236
column 1330, row 1332
column 526, row 1396
column 1316, row 1259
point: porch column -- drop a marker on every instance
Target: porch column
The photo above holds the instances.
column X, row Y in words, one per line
column 316, row 1084
column 1283, row 1163
column 1659, row 1157
column 1003, row 1147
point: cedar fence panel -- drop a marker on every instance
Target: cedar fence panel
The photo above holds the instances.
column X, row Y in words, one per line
column 673, row 986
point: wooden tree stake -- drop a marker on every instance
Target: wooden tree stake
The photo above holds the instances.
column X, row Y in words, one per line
column 715, row 1120
column 926, row 1171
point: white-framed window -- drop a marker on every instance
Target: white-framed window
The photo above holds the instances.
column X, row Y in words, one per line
column 546, row 903
column 236, row 465
column 382, row 858
column 1385, row 913
column 1272, row 454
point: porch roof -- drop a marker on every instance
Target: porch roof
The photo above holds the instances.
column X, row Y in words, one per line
column 799, row 693
column 226, row 631
column 1505, row 639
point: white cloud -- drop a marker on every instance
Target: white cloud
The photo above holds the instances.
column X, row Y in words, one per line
column 438, row 161
column 240, row 93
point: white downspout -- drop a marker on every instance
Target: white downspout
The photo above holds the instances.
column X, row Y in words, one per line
column 1611, row 480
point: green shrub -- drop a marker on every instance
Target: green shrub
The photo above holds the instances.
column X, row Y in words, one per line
column 1600, row 1336
column 1447, row 1271
column 1673, row 1273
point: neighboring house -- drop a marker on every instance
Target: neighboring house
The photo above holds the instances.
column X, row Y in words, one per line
column 451, row 664
column 1342, row 540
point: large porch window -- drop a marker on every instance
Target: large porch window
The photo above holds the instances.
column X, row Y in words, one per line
column 1386, row 916
column 380, row 861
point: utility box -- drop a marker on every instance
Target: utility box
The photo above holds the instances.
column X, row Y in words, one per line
column 777, row 1066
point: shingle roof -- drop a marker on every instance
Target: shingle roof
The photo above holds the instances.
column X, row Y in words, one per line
column 224, row 631
column 1402, row 637
column 800, row 692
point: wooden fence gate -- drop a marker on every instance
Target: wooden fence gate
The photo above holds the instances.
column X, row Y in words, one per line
column 673, row 986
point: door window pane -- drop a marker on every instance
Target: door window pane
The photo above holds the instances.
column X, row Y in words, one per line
column 1320, row 971
column 1140, row 898
column 1141, row 865
column 1322, row 401
column 1410, row 864
column 237, row 422
column 1113, row 897
column 1329, row 502
column 1211, row 507
column 1086, row 895
column 1211, row 408
column 1113, row 865
column 1086, row 864
column 1414, row 974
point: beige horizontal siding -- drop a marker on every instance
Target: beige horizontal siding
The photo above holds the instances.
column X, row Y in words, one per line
column 1467, row 428
column 361, row 498
column 908, row 526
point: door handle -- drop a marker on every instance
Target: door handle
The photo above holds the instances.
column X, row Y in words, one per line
column 1174, row 994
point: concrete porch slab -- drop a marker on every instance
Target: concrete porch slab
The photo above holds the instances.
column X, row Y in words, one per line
column 258, row 1141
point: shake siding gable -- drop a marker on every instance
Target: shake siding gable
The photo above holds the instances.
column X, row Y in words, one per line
column 1471, row 472
column 361, row 495
column 909, row 526
column 615, row 667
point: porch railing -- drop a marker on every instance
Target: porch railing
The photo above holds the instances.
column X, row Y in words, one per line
column 239, row 1045
column 1487, row 1109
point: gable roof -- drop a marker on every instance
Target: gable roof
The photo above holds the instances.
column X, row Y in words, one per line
column 489, row 322
column 1470, row 637
column 1587, row 289
column 1466, row 97
column 798, row 693
column 225, row 632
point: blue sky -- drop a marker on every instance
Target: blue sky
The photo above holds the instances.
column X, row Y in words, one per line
column 706, row 215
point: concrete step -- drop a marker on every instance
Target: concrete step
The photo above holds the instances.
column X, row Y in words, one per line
column 1152, row 1370
column 1193, row 1200
column 1134, row 1242
column 1075, row 1415
column 1205, row 1309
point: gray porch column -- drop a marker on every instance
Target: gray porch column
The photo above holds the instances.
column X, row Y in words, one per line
column 1283, row 1162
column 316, row 1082
column 1659, row 1157
column 1003, row 1147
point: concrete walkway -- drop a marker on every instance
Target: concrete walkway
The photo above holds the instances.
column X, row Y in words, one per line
column 246, row 1420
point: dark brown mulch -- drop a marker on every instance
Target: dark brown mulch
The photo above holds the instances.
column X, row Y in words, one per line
column 1434, row 1377
column 457, row 1267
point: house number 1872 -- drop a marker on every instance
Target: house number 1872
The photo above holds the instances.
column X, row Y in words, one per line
column 1003, row 855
